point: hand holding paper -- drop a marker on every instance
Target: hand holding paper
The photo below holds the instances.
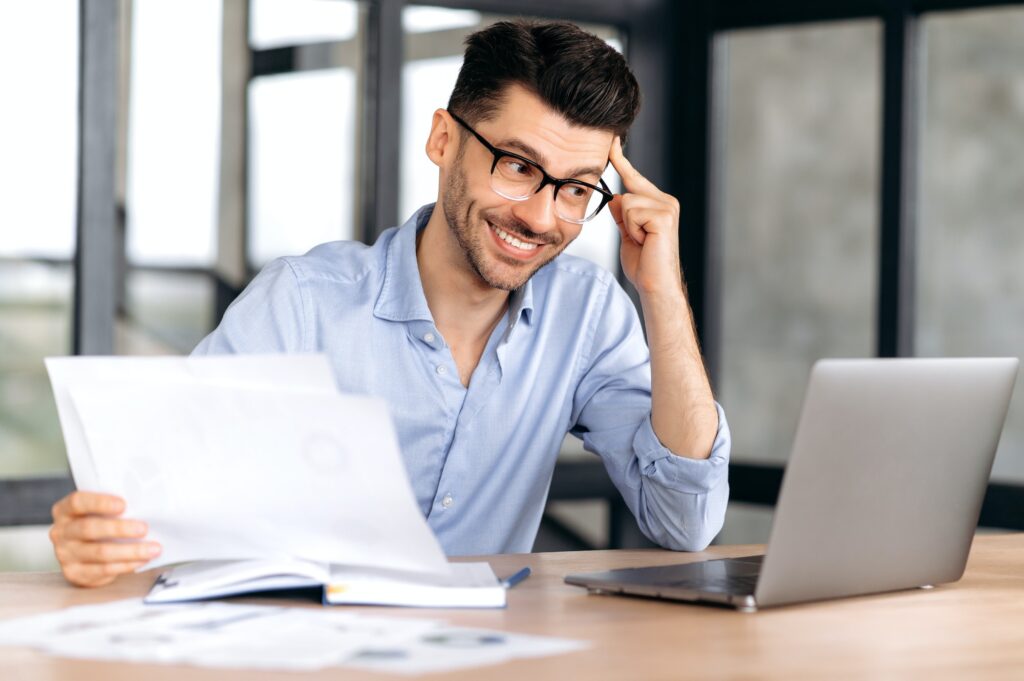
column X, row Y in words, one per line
column 93, row 543
column 223, row 466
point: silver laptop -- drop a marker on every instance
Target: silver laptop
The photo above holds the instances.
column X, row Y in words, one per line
column 882, row 491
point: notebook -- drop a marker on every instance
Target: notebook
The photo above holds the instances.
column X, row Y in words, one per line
column 469, row 585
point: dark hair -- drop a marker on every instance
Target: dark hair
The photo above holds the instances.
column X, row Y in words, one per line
column 574, row 72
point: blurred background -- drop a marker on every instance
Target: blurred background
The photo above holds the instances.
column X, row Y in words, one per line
column 850, row 175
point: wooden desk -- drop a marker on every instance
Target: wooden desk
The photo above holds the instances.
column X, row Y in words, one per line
column 973, row 629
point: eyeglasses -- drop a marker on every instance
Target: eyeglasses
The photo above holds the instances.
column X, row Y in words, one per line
column 517, row 178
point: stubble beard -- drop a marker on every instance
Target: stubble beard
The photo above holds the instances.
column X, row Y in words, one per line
column 459, row 213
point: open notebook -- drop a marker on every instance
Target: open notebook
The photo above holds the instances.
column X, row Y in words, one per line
column 469, row 585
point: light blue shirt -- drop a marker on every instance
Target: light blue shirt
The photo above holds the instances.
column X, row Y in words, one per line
column 569, row 356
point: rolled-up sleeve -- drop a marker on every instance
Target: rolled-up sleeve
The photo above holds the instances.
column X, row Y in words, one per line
column 679, row 502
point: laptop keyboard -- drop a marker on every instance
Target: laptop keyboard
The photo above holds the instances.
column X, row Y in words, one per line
column 735, row 584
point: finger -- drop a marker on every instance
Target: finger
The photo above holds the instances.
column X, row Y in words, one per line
column 615, row 206
column 643, row 221
column 87, row 575
column 83, row 503
column 624, row 236
column 635, row 216
column 96, row 527
column 98, row 574
column 632, row 180
column 109, row 552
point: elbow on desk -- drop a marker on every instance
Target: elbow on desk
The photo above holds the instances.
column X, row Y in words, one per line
column 693, row 528
column 691, row 541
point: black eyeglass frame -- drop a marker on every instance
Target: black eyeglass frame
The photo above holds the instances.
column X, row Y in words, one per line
column 603, row 190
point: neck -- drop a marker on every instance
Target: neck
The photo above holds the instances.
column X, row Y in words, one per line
column 463, row 305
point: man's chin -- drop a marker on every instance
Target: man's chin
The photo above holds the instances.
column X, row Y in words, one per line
column 514, row 277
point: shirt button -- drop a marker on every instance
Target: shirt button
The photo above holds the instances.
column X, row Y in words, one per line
column 429, row 337
column 441, row 369
column 447, row 501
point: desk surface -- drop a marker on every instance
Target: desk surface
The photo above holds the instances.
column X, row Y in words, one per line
column 970, row 629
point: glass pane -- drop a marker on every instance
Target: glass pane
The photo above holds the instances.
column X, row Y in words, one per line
column 26, row 549
column 433, row 55
column 35, row 322
column 276, row 23
column 39, row 135
column 798, row 219
column 165, row 313
column 38, row 170
column 302, row 171
column 970, row 236
column 173, row 148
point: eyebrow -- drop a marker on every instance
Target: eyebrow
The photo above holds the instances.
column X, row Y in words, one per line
column 538, row 158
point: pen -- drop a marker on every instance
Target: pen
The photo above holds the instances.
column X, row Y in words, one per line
column 510, row 582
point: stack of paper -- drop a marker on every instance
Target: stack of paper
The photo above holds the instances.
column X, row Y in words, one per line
column 245, row 458
column 268, row 637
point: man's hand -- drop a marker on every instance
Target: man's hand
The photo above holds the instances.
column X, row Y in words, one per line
column 89, row 539
column 683, row 411
column 648, row 221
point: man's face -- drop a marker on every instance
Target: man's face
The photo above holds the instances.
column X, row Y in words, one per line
column 487, row 226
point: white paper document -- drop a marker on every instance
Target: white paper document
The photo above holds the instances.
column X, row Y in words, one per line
column 229, row 635
column 310, row 373
column 259, row 458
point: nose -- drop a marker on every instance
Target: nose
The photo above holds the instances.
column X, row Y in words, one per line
column 538, row 211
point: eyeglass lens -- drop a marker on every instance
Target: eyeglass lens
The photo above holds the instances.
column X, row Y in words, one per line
column 516, row 180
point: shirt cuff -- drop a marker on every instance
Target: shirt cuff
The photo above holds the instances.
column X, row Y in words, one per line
column 680, row 473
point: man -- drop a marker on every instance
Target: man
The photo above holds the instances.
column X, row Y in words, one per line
column 488, row 346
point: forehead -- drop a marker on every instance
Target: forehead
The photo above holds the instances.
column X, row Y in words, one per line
column 557, row 144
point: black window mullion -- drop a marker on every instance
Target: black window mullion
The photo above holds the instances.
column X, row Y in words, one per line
column 382, row 118
column 689, row 132
column 897, row 252
column 98, row 249
column 27, row 501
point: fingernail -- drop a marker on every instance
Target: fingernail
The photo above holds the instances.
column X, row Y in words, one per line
column 139, row 528
column 153, row 549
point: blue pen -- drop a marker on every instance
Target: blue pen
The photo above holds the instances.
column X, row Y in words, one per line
column 510, row 582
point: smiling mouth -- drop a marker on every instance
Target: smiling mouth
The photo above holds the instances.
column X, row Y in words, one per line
column 511, row 240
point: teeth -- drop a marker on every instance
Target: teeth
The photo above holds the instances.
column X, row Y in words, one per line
column 511, row 240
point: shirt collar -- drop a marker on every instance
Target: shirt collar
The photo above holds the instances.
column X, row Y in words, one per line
column 402, row 299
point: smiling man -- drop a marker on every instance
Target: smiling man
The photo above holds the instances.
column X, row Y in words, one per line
column 489, row 345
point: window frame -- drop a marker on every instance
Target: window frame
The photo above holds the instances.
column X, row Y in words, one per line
column 672, row 49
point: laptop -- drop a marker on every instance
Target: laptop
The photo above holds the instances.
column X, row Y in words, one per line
column 882, row 491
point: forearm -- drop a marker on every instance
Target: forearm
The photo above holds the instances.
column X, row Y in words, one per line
column 682, row 405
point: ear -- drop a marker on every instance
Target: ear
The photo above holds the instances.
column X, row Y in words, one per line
column 442, row 144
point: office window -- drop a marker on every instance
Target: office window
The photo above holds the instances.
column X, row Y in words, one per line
column 173, row 133
column 173, row 156
column 798, row 218
column 433, row 55
column 971, row 232
column 303, row 129
column 282, row 23
column 167, row 312
column 302, row 161
column 38, row 167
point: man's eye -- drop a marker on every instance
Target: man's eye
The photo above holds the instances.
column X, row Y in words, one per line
column 576, row 191
column 518, row 168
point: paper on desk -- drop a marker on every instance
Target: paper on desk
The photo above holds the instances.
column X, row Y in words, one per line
column 269, row 637
column 239, row 472
column 311, row 373
column 446, row 649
